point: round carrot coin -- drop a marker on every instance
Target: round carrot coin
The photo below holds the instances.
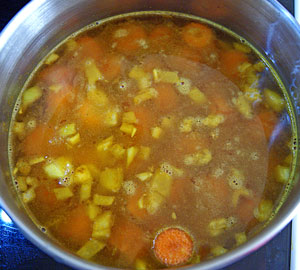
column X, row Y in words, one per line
column 173, row 246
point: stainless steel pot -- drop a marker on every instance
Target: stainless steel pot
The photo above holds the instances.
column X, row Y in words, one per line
column 41, row 25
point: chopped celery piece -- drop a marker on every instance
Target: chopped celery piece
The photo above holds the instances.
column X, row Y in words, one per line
column 131, row 153
column 144, row 95
column 28, row 195
column 93, row 211
column 92, row 73
column 82, row 175
column 274, row 100
column 144, row 176
column 129, row 118
column 156, row 132
column 243, row 106
column 31, row 95
column 58, row 168
column 51, row 58
column 105, row 144
column 282, row 174
column 63, row 193
column 213, row 120
column 128, row 129
column 111, row 179
column 102, row 225
column 165, row 76
column 197, row 96
column 103, row 200
column 67, row 130
column 90, row 249
column 85, row 191
column 264, row 210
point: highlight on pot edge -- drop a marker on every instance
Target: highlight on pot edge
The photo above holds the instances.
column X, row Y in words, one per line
column 152, row 140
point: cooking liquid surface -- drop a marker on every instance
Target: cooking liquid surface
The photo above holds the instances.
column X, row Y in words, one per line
column 217, row 155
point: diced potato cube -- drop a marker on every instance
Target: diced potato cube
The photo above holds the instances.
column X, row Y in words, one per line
column 36, row 160
column 85, row 191
column 119, row 33
column 93, row 211
column 243, row 106
column 103, row 200
column 63, row 193
column 144, row 152
column 140, row 264
column 92, row 73
column 240, row 238
column 241, row 47
column 71, row 45
column 217, row 226
column 200, row 158
column 252, row 94
column 165, row 76
column 187, row 124
column 144, row 176
column 218, row 250
column 31, row 95
column 156, row 132
column 51, row 58
column 129, row 118
column 274, row 100
column 129, row 187
column 102, row 225
column 143, row 78
column 282, row 174
column 58, row 168
column 184, row 86
column 21, row 183
column 111, row 179
column 144, row 95
column 153, row 201
column 118, row 151
column 98, row 97
column 32, row 181
column 213, row 120
column 111, row 117
column 23, row 167
column 74, row 139
column 90, row 249
column 161, row 183
column 105, row 144
column 131, row 153
column 28, row 195
column 264, row 210
column 128, row 129
column 197, row 96
column 67, row 130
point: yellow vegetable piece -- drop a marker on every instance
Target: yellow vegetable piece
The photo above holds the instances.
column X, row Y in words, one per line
column 105, row 144
column 143, row 78
column 67, row 130
column 51, row 58
column 213, row 120
column 97, row 97
column 36, row 160
column 140, row 264
column 23, row 167
column 288, row 160
column 131, row 153
column 92, row 73
column 167, row 122
column 236, row 179
column 71, row 45
column 28, row 195
column 102, row 225
column 184, row 86
column 128, row 129
column 144, row 176
column 118, row 151
column 238, row 193
column 111, row 179
column 274, row 100
column 241, row 47
column 282, row 174
column 93, row 211
column 32, row 181
column 31, row 95
column 218, row 250
column 243, row 106
column 264, row 210
column 187, row 124
column 217, row 226
column 103, row 200
column 63, row 193
column 259, row 66
column 19, row 129
column 21, row 183
column 129, row 118
column 197, row 96
column 85, row 191
column 74, row 139
column 165, row 76
column 55, row 87
column 252, row 94
column 90, row 249
column 58, row 168
column 200, row 158
column 111, row 117
column 240, row 238
column 156, row 132
column 144, row 152
column 144, row 95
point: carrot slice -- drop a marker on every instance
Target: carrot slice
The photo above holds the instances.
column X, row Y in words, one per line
column 198, row 35
column 127, row 237
column 131, row 41
column 230, row 61
column 89, row 47
column 268, row 120
column 167, row 98
column 173, row 247
column 77, row 228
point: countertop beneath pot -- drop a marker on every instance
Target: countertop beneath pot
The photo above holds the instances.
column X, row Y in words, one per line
column 17, row 253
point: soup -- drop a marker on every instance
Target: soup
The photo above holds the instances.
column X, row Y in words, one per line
column 152, row 141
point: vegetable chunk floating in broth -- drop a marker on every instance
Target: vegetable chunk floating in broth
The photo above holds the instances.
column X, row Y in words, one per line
column 152, row 141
